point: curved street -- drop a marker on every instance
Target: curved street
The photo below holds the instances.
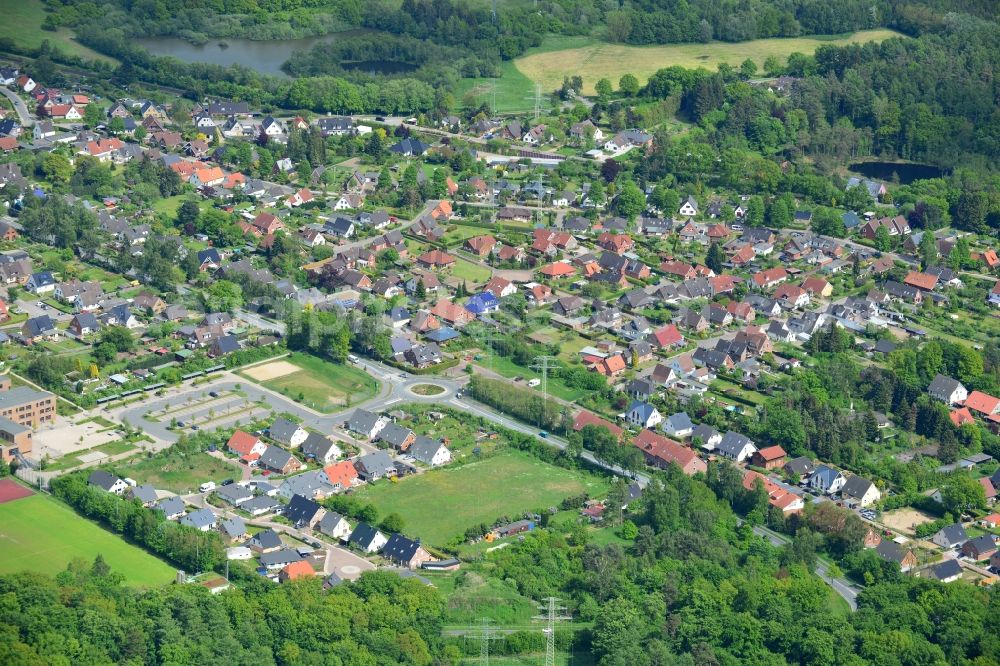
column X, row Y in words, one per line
column 22, row 109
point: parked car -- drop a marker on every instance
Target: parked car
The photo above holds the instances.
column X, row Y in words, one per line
column 206, row 487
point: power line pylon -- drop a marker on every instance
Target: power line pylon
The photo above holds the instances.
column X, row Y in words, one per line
column 544, row 364
column 552, row 613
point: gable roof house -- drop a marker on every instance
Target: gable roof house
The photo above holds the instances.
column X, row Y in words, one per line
column 770, row 457
column 334, row 525
column 367, row 538
column 429, row 451
column 643, row 415
column 950, row 536
column 107, row 482
column 304, row 512
column 662, row 452
column 286, row 432
column 890, row 551
column 735, row 446
column 374, row 466
column 947, row 390
column 827, row 479
column 405, row 552
column 278, row 460
column 859, row 492
column 366, row 423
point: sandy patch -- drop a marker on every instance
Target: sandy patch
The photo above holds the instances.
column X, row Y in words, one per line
column 66, row 437
column 905, row 520
column 273, row 370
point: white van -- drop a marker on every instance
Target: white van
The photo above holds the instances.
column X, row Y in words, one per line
column 353, row 359
column 534, row 382
column 208, row 486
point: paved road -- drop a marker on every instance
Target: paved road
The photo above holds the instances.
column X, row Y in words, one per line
column 22, row 109
column 842, row 586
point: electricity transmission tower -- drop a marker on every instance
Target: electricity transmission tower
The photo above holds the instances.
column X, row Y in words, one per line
column 538, row 100
column 544, row 364
column 551, row 613
column 485, row 636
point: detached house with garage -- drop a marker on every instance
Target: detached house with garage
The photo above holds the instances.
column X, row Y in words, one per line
column 859, row 492
column 827, row 480
column 643, row 415
column 735, row 446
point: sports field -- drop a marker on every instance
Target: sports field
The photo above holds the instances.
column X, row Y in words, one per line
column 322, row 385
column 598, row 60
column 38, row 533
column 442, row 503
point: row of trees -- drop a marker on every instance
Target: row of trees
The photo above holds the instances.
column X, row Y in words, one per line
column 190, row 548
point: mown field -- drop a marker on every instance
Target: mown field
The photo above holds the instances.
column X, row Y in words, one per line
column 596, row 60
column 441, row 504
column 22, row 24
column 322, row 385
column 38, row 533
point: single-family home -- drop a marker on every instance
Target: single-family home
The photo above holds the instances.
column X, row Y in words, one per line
column 367, row 538
column 827, row 480
column 950, row 536
column 858, row 491
column 405, row 552
column 735, row 446
column 107, row 482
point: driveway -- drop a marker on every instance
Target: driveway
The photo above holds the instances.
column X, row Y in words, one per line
column 32, row 309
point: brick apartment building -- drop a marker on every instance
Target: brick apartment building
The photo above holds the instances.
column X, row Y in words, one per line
column 21, row 409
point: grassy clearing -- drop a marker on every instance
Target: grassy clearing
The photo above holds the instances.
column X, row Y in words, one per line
column 515, row 92
column 507, row 368
column 508, row 484
column 466, row 270
column 322, row 385
column 596, row 60
column 22, row 24
column 427, row 389
column 40, row 534
column 178, row 474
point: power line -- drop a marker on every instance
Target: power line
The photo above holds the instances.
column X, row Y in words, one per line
column 551, row 613
column 544, row 364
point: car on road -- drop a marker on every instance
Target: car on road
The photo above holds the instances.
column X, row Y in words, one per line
column 181, row 424
column 213, row 394
column 196, row 427
column 458, row 395
column 206, row 487
column 543, row 434
column 40, row 304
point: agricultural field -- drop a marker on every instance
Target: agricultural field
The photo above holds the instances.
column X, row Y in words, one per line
column 514, row 92
column 22, row 24
column 311, row 381
column 594, row 60
column 38, row 533
column 507, row 484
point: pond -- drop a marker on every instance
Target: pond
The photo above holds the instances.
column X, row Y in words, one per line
column 264, row 56
column 906, row 172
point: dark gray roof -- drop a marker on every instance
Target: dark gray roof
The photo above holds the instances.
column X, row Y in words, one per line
column 890, row 551
column 302, row 510
column 260, row 503
column 946, row 569
column 234, row 527
column 200, row 518
column 954, row 533
column 316, row 446
column 394, row 434
column 170, row 506
column 733, row 442
column 265, row 540
column 362, row 421
column 377, row 463
column 363, row 535
column 424, row 448
column 102, row 479
column 280, row 557
column 856, row 487
column 144, row 493
column 282, row 430
column 234, row 493
column 801, row 465
column 400, row 549
column 943, row 385
column 275, row 457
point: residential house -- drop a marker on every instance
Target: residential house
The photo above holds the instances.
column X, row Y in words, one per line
column 980, row 548
column 643, row 415
column 334, row 525
column 405, row 552
column 287, row 432
column 890, row 551
column 319, row 448
column 279, row 461
column 770, row 457
column 367, row 538
column 945, row 572
column 341, row 475
column 950, row 536
column 366, row 423
column 858, row 491
column 947, row 390
column 107, row 482
column 735, row 446
column 429, row 451
column 678, row 425
column 202, row 519
column 827, row 480
column 304, row 512
column 374, row 466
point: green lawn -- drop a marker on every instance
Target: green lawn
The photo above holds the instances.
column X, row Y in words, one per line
column 23, row 25
column 466, row 270
column 320, row 384
column 515, row 92
column 179, row 474
column 441, row 504
column 40, row 534
column 507, row 368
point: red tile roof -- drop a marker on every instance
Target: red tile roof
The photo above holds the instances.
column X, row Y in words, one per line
column 770, row 453
column 984, row 403
column 668, row 451
column 585, row 418
column 667, row 336
column 557, row 269
column 920, row 280
column 242, row 442
column 342, row 473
